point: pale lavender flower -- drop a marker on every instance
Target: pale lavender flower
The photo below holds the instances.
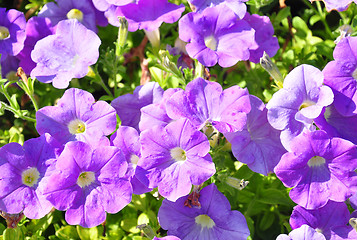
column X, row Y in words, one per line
column 338, row 5
column 302, row 98
column 216, row 35
column 258, row 144
column 61, row 57
column 12, row 31
column 205, row 102
column 77, row 117
column 23, row 169
column 173, row 158
column 237, row 6
column 319, row 168
column 88, row 183
column 305, row 232
column 213, row 220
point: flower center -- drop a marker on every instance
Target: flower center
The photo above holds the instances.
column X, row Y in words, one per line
column 75, row 14
column 85, row 179
column 211, row 42
column 76, row 126
column 205, row 221
column 30, row 176
column 354, row 74
column 178, row 154
column 134, row 159
column 306, row 104
column 4, row 33
column 316, row 161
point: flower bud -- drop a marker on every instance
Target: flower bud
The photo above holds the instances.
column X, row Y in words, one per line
column 272, row 69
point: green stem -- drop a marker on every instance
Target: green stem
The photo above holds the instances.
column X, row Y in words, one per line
column 18, row 113
column 101, row 82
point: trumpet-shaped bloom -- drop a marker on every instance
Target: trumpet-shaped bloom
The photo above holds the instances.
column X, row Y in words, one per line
column 23, row 169
column 173, row 158
column 319, row 168
column 62, row 56
column 213, row 220
column 88, row 183
column 216, row 35
column 77, row 117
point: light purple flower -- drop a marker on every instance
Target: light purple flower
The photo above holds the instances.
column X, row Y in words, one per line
column 166, row 238
column 84, row 11
column 61, row 57
column 319, row 168
column 216, row 35
column 36, row 29
column 214, row 220
column 23, row 169
column 338, row 5
column 77, row 117
column 258, row 144
column 294, row 107
column 128, row 106
column 88, row 183
column 264, row 32
column 12, row 31
column 128, row 140
column 173, row 158
column 330, row 220
column 204, row 102
column 341, row 76
column 305, row 232
column 237, row 6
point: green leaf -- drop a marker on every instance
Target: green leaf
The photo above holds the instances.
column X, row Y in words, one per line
column 284, row 13
column 67, row 232
column 274, row 196
column 89, row 233
column 129, row 225
column 266, row 221
column 13, row 234
column 314, row 19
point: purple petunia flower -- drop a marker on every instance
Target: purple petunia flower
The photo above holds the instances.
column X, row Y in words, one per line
column 264, row 32
column 128, row 140
column 36, row 29
column 77, row 117
column 128, row 106
column 338, row 5
column 214, row 220
column 88, row 183
column 9, row 66
column 258, row 144
column 319, row 168
column 23, row 169
column 237, row 6
column 61, row 57
column 12, row 31
column 84, row 11
column 341, row 75
column 294, row 107
column 330, row 220
column 216, row 35
column 204, row 102
column 166, row 238
column 305, row 232
column 173, row 158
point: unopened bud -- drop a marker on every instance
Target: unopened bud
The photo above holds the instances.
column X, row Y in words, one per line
column 147, row 230
column 236, row 183
column 272, row 69
column 122, row 35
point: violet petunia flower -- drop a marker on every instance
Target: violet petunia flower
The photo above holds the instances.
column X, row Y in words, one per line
column 23, row 169
column 258, row 144
column 237, row 6
column 12, row 31
column 338, row 5
column 330, row 220
column 128, row 140
column 205, row 103
column 88, row 183
column 166, row 238
column 305, row 232
column 319, row 168
column 77, row 117
column 36, row 29
column 65, row 55
column 216, row 35
column 264, row 32
column 302, row 98
column 173, row 158
column 128, row 106
column 9, row 66
column 341, row 75
column 213, row 220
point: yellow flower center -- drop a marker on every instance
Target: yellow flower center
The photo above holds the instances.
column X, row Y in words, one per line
column 205, row 221
column 316, row 161
column 178, row 154
column 211, row 42
column 85, row 179
column 4, row 33
column 30, row 176
column 75, row 14
column 306, row 104
column 76, row 126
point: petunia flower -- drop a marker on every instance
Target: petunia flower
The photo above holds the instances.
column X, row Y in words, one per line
column 216, row 35
column 305, row 232
column 213, row 220
column 65, row 55
column 319, row 168
column 338, row 5
column 23, row 169
column 88, row 183
column 12, row 31
column 237, row 6
column 77, row 117
column 173, row 158
column 258, row 144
